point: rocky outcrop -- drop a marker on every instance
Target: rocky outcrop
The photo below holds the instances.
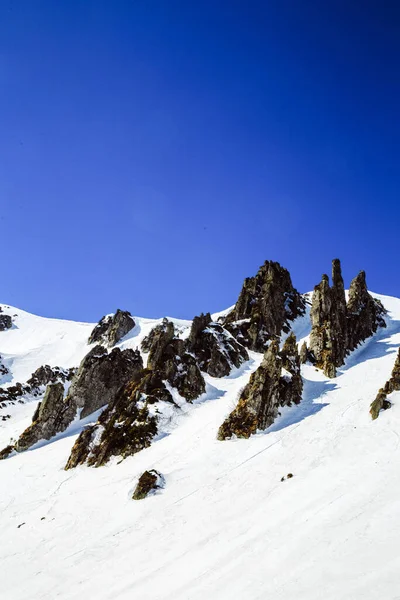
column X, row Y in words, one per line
column 364, row 313
column 46, row 374
column 97, row 382
column 304, row 354
column 112, row 328
column 157, row 341
column 149, row 482
column 3, row 368
column 276, row 383
column 100, row 376
column 337, row 327
column 35, row 385
column 169, row 356
column 5, row 322
column 126, row 426
column 215, row 349
column 267, row 304
column 51, row 417
column 392, row 385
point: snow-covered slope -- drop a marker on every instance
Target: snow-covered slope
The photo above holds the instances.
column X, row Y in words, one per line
column 225, row 526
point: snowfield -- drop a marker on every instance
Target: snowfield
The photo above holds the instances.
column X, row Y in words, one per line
column 225, row 526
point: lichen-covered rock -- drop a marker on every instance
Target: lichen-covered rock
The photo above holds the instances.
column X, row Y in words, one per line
column 276, row 383
column 392, row 385
column 126, row 426
column 97, row 382
column 364, row 314
column 267, row 304
column 112, row 328
column 215, row 349
column 149, row 482
column 337, row 327
column 5, row 322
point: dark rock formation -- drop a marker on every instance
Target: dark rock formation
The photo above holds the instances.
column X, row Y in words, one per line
column 328, row 319
column 52, row 416
column 392, row 385
column 337, row 328
column 35, row 386
column 6, row 452
column 112, row 328
column 304, row 354
column 168, row 355
column 126, row 426
column 266, row 305
column 364, row 313
column 97, row 382
column 216, row 350
column 100, row 376
column 46, row 374
column 3, row 368
column 149, row 482
column 157, row 341
column 276, row 383
column 5, row 322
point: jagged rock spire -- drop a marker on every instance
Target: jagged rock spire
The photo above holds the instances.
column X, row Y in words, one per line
column 364, row 313
column 266, row 305
column 337, row 327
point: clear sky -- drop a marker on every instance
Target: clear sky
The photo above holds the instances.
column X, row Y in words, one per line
column 153, row 153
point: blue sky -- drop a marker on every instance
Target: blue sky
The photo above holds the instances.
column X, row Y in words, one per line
column 153, row 154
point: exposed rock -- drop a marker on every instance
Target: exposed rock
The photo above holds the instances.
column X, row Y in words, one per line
column 51, row 417
column 392, row 385
column 149, row 482
column 97, row 382
column 328, row 319
column 216, row 350
column 364, row 313
column 124, row 427
column 35, row 386
column 5, row 322
column 304, row 354
column 6, row 452
column 266, row 305
column 168, row 355
column 291, row 383
column 112, row 328
column 157, row 341
column 337, row 328
column 276, row 383
column 100, row 376
column 3, row 368
column 181, row 370
column 46, row 374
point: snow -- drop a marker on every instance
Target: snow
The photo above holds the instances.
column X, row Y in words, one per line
column 224, row 526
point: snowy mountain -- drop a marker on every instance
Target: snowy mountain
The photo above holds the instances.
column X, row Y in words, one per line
column 299, row 498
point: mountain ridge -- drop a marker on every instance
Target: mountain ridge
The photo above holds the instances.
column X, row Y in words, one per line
column 225, row 523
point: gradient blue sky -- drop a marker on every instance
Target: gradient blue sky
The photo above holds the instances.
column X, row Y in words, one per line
column 154, row 153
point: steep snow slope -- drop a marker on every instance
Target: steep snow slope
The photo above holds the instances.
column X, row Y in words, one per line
column 225, row 526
